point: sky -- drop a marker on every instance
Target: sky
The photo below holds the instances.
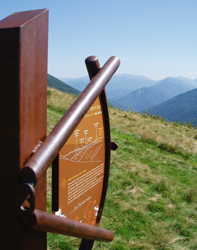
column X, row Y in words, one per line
column 152, row 38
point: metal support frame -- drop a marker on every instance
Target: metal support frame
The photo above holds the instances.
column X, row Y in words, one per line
column 38, row 163
column 25, row 151
column 46, row 153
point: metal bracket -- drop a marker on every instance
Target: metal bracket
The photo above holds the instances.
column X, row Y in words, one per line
column 114, row 145
column 26, row 198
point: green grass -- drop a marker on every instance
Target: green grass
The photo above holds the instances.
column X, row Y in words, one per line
column 151, row 200
column 148, row 195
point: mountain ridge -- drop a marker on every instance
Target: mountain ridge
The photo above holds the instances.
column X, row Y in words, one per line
column 145, row 98
column 181, row 108
column 126, row 81
column 54, row 82
column 148, row 98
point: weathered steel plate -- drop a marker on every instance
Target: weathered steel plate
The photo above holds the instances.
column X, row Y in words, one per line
column 81, row 168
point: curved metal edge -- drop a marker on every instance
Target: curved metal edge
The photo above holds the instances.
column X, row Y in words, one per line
column 93, row 68
column 105, row 114
column 26, row 192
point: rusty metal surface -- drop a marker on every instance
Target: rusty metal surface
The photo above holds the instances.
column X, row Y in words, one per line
column 46, row 222
column 39, row 162
column 26, row 206
column 93, row 67
column 19, row 19
column 23, row 99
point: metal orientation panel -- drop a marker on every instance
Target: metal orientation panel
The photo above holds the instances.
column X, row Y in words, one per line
column 82, row 167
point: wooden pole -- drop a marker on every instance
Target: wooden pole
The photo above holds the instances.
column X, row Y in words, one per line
column 23, row 114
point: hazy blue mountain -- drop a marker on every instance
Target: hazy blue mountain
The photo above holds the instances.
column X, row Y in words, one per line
column 118, row 81
column 144, row 98
column 128, row 82
column 195, row 81
column 65, row 80
column 116, row 94
column 56, row 83
column 171, row 86
column 184, row 79
column 180, row 108
column 77, row 83
column 138, row 92
column 141, row 99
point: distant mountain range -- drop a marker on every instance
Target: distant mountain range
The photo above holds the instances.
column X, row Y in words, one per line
column 180, row 108
column 53, row 82
column 119, row 86
column 117, row 82
column 138, row 92
column 144, row 98
column 175, row 99
column 188, row 80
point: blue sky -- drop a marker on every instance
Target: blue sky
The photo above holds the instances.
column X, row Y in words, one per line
column 153, row 38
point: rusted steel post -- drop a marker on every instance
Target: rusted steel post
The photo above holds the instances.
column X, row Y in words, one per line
column 46, row 222
column 38, row 163
column 93, row 67
column 23, row 109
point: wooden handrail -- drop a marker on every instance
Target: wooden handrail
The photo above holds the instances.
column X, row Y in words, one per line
column 43, row 221
column 46, row 153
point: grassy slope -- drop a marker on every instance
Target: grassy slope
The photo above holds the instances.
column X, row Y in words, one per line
column 151, row 201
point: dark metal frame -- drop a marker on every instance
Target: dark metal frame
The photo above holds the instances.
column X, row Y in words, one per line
column 23, row 132
column 48, row 151
column 93, row 68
